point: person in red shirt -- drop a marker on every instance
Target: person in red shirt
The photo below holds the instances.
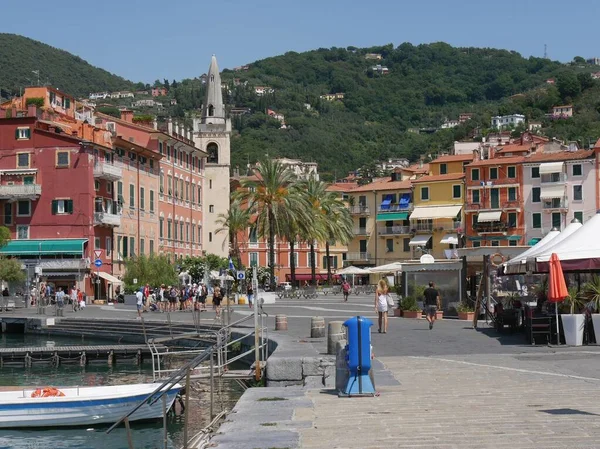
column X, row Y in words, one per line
column 346, row 289
column 146, row 294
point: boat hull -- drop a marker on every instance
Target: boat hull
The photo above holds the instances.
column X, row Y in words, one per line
column 82, row 410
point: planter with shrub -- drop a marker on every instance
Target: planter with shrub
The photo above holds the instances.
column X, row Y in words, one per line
column 410, row 307
column 465, row 311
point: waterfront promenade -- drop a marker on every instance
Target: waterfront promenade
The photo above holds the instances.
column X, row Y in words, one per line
column 452, row 387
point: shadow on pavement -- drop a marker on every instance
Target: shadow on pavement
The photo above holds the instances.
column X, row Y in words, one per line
column 512, row 339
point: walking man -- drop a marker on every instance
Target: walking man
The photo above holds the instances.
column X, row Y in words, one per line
column 346, row 290
column 139, row 296
column 432, row 302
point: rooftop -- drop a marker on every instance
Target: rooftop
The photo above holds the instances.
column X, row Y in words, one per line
column 560, row 156
column 382, row 184
column 453, row 158
column 439, row 178
column 497, row 161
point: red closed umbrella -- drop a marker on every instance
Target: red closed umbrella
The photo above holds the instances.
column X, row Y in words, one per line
column 557, row 287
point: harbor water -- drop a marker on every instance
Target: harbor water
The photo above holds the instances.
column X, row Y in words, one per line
column 147, row 435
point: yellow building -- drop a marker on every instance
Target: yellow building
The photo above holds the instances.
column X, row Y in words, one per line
column 380, row 212
column 436, row 220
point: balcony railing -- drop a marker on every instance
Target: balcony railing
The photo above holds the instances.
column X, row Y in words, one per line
column 24, row 191
column 393, row 230
column 358, row 256
column 104, row 218
column 359, row 210
column 491, row 227
column 361, row 231
column 395, row 208
column 553, row 178
column 422, row 227
column 108, row 171
column 555, row 203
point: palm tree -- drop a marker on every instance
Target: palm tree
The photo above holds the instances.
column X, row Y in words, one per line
column 274, row 199
column 338, row 225
column 235, row 221
column 314, row 192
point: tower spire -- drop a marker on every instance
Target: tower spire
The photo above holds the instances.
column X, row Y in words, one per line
column 213, row 110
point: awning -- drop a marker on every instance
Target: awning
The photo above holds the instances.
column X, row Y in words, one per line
column 392, row 216
column 385, row 204
column 557, row 191
column 48, row 247
column 432, row 212
column 450, row 239
column 532, row 242
column 109, row 278
column 514, row 237
column 486, row 217
column 551, row 167
column 419, row 240
column 308, row 277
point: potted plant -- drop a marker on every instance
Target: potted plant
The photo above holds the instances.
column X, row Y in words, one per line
column 573, row 322
column 590, row 293
column 410, row 307
column 465, row 311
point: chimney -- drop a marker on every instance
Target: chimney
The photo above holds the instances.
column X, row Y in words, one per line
column 155, row 124
column 31, row 110
column 170, row 126
column 475, row 155
column 127, row 115
column 492, row 152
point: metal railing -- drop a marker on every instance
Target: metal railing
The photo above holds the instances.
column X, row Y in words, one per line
column 359, row 256
column 395, row 208
column 361, row 231
column 20, row 191
column 108, row 171
column 359, row 210
column 393, row 230
column 105, row 218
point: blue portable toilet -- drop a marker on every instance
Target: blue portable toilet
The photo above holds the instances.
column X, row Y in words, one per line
column 358, row 357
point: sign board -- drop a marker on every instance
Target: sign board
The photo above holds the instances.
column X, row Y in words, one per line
column 98, row 263
column 135, row 280
column 97, row 253
column 241, row 276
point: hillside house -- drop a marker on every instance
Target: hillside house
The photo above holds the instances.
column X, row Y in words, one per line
column 560, row 112
column 124, row 94
column 277, row 116
column 465, row 116
column 450, row 124
column 374, row 56
column 262, row 90
column 159, row 91
column 503, row 121
column 332, row 97
column 380, row 69
column 99, row 96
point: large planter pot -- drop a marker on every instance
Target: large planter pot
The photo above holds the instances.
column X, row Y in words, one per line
column 468, row 316
column 397, row 312
column 439, row 314
column 412, row 313
column 573, row 328
column 596, row 321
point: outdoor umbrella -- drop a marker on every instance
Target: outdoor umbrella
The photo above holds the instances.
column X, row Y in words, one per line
column 353, row 270
column 557, row 288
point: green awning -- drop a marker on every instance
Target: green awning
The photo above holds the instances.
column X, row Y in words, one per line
column 47, row 247
column 392, row 216
column 514, row 237
column 475, row 239
column 533, row 241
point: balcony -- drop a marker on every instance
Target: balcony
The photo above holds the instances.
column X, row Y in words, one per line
column 395, row 208
column 21, row 191
column 393, row 230
column 555, row 204
column 108, row 171
column 361, row 231
column 359, row 210
column 491, row 227
column 106, row 219
column 553, row 178
column 422, row 227
column 352, row 257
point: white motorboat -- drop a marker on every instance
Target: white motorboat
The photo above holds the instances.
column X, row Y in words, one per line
column 80, row 406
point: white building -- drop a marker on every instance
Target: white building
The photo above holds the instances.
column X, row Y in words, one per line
column 301, row 169
column 466, row 147
column 503, row 121
column 558, row 187
column 450, row 124
column 99, row 95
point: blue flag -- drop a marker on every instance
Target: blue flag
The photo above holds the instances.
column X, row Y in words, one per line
column 231, row 266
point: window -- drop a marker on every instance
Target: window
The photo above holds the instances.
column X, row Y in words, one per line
column 23, row 160
column 193, row 194
column 176, row 231
column 23, row 133
column 97, row 243
column 142, row 198
column 475, row 174
column 120, row 198
column 535, row 194
column 28, row 180
column 169, row 226
column 476, row 244
column 210, row 236
column 175, row 187
column 108, row 243
column 151, row 242
column 406, row 245
column 512, row 242
column 536, row 221
column 160, row 147
column 253, row 259
column 168, row 153
column 456, row 191
column 474, row 220
column 512, row 172
column 62, row 207
column 211, row 208
column 161, row 226
column 62, row 159
column 119, row 249
column 187, row 232
column 151, row 201
column 22, row 232
column 556, row 220
column 577, row 170
column 169, row 183
column 181, row 231
column 199, row 233
column 512, row 219
column 193, row 233
column 187, row 191
column 23, row 208
column 131, row 196
column 294, row 257
column 210, row 183
column 199, row 195
column 8, row 213
column 494, row 173
column 253, row 237
column 389, row 245
column 535, row 172
column 578, row 216
column 424, row 193
column 475, row 196
column 577, row 193
column 161, row 185
column 443, row 169
column 96, row 185
column 213, row 153
column 495, row 243
column 512, row 194
column 131, row 246
column 109, row 187
column 142, row 246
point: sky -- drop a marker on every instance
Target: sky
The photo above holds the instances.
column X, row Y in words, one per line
column 151, row 39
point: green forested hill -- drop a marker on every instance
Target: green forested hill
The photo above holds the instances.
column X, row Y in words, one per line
column 19, row 56
column 426, row 84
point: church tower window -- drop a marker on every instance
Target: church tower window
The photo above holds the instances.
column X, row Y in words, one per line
column 213, row 153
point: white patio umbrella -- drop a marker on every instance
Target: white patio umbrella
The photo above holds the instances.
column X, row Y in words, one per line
column 388, row 268
column 353, row 271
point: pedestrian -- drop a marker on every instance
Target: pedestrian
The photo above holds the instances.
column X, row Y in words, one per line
column 60, row 298
column 172, row 298
column 81, row 295
column 250, row 293
column 203, row 295
column 146, row 293
column 346, row 289
column 33, row 295
column 432, row 303
column 217, row 298
column 162, row 297
column 381, row 305
column 140, row 302
column 73, row 298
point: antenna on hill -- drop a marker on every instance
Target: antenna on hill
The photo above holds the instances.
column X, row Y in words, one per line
column 545, row 51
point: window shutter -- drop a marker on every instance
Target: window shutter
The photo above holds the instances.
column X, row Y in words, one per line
column 54, row 207
column 69, row 206
column 28, row 133
column 16, row 134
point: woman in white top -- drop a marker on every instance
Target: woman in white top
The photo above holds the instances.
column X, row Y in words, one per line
column 381, row 304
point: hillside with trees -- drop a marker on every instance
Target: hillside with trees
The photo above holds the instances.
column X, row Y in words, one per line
column 21, row 56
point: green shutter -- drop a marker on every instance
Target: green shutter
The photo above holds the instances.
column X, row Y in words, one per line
column 54, row 207
column 69, row 206
column 120, row 188
column 17, row 133
column 28, row 133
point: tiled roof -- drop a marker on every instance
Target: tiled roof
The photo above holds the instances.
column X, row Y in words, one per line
column 453, row 158
column 514, row 148
column 498, row 161
column 383, row 184
column 342, row 186
column 436, row 178
column 418, row 169
column 559, row 156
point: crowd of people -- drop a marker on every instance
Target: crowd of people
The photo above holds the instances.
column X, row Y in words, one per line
column 171, row 298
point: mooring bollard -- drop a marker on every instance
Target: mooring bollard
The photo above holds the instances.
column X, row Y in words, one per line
column 317, row 327
column 281, row 323
column 335, row 333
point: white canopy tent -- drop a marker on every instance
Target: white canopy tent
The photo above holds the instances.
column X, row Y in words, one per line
column 352, row 270
column 580, row 251
column 388, row 268
column 516, row 265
